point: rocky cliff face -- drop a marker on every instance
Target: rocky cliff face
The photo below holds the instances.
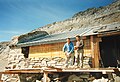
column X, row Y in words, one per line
column 4, row 50
column 90, row 17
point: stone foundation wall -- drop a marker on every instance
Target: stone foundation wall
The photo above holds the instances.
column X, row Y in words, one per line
column 16, row 60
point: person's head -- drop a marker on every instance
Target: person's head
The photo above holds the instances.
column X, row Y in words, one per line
column 78, row 38
column 68, row 40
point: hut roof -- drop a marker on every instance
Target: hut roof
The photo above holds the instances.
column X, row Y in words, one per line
column 54, row 38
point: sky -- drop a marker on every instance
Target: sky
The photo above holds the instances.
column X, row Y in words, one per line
column 22, row 16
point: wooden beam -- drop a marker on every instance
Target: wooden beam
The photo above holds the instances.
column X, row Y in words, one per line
column 0, row 76
column 45, row 76
column 47, row 70
column 108, row 34
column 96, row 52
column 25, row 70
column 92, row 50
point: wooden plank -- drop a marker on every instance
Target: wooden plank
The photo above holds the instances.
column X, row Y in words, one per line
column 103, row 70
column 53, row 50
column 45, row 76
column 108, row 34
column 24, row 70
column 107, row 70
column 0, row 76
column 96, row 52
column 50, row 50
column 92, row 50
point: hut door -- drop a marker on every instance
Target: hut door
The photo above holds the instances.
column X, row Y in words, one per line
column 110, row 51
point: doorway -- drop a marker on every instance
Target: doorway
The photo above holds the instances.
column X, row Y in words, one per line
column 25, row 51
column 110, row 51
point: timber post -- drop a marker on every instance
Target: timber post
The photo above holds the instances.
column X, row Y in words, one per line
column 45, row 76
column 95, row 51
column 92, row 50
column 1, row 77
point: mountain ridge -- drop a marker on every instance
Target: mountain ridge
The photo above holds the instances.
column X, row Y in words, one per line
column 88, row 18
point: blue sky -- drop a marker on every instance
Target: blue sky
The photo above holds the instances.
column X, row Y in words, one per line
column 21, row 16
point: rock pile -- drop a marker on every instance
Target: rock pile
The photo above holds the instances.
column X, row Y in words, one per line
column 87, row 62
column 10, row 78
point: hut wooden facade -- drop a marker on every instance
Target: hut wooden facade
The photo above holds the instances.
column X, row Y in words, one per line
column 101, row 44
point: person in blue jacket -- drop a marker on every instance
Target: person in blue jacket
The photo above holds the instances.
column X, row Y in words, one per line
column 68, row 49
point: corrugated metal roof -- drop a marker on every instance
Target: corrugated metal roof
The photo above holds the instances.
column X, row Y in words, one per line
column 64, row 35
column 56, row 37
column 108, row 28
column 53, row 38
